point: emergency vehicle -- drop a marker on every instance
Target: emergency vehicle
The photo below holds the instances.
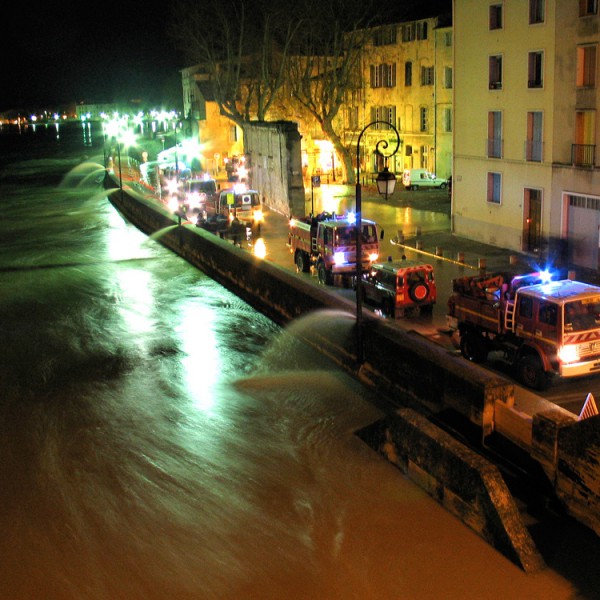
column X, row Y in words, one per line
column 241, row 203
column 327, row 242
column 399, row 287
column 542, row 328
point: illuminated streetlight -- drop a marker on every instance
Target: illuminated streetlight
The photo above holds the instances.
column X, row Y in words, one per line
column 118, row 130
column 386, row 182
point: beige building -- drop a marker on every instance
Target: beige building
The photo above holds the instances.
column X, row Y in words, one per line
column 407, row 78
column 220, row 138
column 524, row 174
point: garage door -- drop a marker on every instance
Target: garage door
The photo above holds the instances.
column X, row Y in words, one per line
column 584, row 231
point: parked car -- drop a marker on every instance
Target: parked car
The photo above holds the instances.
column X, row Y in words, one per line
column 415, row 179
column 400, row 286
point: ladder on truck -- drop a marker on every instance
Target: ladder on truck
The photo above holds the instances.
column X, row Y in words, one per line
column 509, row 314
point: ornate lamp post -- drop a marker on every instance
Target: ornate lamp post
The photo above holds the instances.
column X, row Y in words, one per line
column 386, row 182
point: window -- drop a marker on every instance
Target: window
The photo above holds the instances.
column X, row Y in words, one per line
column 384, row 36
column 448, row 77
column 548, row 313
column 447, row 116
column 536, row 11
column 233, row 134
column 422, row 30
column 535, row 70
column 423, row 119
column 352, row 117
column 383, row 113
column 494, row 187
column 495, row 75
column 407, row 74
column 526, row 307
column 427, row 75
column 408, row 32
column 448, row 39
column 383, row 75
column 496, row 16
column 588, row 7
column 533, row 144
column 586, row 66
column 494, row 143
column 583, row 151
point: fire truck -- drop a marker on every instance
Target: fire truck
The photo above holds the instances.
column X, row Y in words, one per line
column 541, row 328
column 327, row 242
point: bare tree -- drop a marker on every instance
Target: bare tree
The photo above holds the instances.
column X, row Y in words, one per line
column 325, row 64
column 241, row 49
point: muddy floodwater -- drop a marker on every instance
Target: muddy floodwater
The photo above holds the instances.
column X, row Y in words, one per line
column 161, row 439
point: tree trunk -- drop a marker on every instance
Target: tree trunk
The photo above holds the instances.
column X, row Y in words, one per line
column 344, row 152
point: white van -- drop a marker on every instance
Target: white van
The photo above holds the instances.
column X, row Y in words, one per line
column 416, row 179
column 241, row 203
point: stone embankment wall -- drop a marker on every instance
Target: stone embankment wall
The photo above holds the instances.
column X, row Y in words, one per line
column 274, row 159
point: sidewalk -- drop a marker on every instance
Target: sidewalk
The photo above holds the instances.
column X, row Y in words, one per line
column 479, row 256
column 463, row 251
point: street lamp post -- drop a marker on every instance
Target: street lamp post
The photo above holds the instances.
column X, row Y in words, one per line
column 120, row 172
column 386, row 182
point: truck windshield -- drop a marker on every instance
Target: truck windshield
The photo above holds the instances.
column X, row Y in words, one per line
column 206, row 186
column 346, row 236
column 581, row 315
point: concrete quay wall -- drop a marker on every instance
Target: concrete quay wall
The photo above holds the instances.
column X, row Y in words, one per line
column 404, row 368
column 475, row 493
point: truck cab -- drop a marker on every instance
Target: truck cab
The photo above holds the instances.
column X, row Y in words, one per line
column 200, row 195
column 542, row 329
column 327, row 242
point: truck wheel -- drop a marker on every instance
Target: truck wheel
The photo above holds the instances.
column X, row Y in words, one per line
column 418, row 292
column 323, row 274
column 443, row 186
column 387, row 308
column 473, row 347
column 532, row 374
column 302, row 263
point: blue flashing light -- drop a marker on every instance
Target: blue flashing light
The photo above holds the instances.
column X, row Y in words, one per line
column 351, row 217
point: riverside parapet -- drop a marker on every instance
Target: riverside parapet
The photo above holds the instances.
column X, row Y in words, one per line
column 409, row 371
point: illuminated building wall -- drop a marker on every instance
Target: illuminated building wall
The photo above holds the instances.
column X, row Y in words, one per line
column 407, row 76
column 525, row 129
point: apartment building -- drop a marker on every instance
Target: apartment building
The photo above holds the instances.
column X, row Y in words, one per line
column 525, row 171
column 407, row 78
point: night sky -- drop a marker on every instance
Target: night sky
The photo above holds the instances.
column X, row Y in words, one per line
column 60, row 53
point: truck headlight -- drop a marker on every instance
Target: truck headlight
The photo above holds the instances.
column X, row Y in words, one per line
column 258, row 216
column 568, row 354
column 339, row 258
column 373, row 256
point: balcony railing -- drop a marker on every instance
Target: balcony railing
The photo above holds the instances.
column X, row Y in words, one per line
column 494, row 148
column 583, row 155
column 533, row 150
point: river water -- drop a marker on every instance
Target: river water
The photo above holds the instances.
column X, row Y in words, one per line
column 161, row 439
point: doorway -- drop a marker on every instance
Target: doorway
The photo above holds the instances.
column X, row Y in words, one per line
column 532, row 217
